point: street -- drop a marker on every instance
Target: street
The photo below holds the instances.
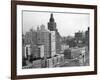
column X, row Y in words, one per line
column 75, row 61
column 71, row 63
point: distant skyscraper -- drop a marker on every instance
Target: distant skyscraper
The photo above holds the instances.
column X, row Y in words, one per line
column 79, row 35
column 30, row 37
column 87, row 37
column 57, row 42
column 52, row 24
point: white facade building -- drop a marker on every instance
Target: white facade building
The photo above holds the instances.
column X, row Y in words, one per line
column 53, row 43
column 27, row 51
column 41, row 51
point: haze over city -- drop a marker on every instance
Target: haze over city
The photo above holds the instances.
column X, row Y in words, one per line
column 67, row 23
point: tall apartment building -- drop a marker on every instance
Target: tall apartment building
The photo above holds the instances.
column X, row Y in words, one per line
column 30, row 45
column 43, row 38
column 30, row 37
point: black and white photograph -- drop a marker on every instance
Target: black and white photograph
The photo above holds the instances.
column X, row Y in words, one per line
column 53, row 39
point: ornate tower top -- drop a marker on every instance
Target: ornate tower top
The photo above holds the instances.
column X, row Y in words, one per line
column 51, row 18
column 52, row 23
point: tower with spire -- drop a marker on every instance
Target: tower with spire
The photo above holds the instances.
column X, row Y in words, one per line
column 55, row 36
column 52, row 23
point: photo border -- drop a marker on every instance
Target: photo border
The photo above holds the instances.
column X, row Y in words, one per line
column 14, row 39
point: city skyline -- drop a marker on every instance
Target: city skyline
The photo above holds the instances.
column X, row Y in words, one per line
column 47, row 49
column 75, row 22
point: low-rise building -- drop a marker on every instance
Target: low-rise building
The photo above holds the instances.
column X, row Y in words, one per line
column 37, row 63
column 67, row 54
column 50, row 63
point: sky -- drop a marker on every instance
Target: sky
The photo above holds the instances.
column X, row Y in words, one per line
column 67, row 23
